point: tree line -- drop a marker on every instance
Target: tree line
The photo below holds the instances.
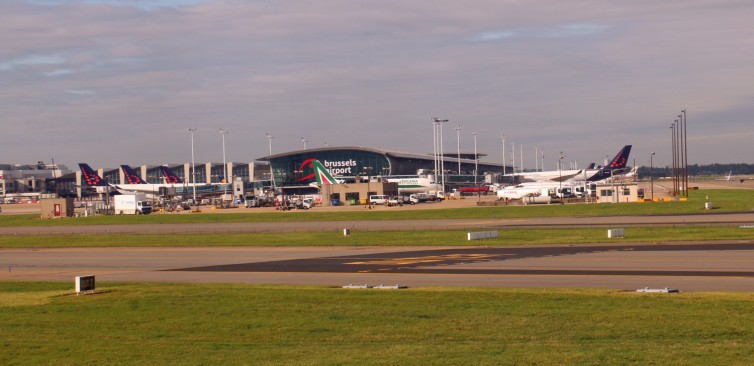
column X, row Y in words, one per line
column 701, row 170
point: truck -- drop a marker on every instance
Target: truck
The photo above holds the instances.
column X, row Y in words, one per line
column 472, row 191
column 132, row 204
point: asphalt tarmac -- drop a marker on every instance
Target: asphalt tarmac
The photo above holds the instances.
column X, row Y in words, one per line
column 722, row 266
column 698, row 266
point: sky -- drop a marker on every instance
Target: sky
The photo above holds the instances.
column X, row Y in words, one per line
column 113, row 82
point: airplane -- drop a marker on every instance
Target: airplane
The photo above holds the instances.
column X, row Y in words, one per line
column 627, row 175
column 550, row 175
column 181, row 187
column 617, row 165
column 131, row 176
column 93, row 180
column 728, row 177
column 172, row 181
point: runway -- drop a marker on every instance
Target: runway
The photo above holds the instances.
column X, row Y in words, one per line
column 720, row 266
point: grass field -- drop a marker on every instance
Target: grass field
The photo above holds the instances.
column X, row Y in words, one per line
column 724, row 200
column 164, row 324
column 384, row 238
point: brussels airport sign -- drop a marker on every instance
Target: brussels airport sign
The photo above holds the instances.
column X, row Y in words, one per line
column 340, row 167
column 336, row 167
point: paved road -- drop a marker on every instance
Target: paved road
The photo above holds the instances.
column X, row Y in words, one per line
column 725, row 266
column 732, row 219
column 721, row 266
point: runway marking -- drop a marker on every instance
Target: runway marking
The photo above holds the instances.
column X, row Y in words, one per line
column 428, row 259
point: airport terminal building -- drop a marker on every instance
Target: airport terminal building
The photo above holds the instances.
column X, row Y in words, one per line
column 293, row 169
column 284, row 171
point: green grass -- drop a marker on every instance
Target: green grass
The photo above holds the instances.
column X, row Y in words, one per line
column 724, row 200
column 164, row 324
column 384, row 238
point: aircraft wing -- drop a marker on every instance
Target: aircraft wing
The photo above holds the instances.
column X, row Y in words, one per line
column 567, row 176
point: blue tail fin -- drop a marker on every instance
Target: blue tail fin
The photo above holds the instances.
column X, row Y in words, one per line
column 131, row 176
column 618, row 162
column 91, row 177
column 170, row 177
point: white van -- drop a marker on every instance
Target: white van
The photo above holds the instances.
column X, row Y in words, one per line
column 377, row 199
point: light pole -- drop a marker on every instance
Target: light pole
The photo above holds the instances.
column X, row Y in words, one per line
column 476, row 159
column 476, row 168
column 193, row 167
column 269, row 138
column 560, row 177
column 224, row 132
column 502, row 138
column 439, row 154
column 685, row 152
column 458, row 139
column 304, row 141
column 651, row 176
column 675, row 160
column 521, row 154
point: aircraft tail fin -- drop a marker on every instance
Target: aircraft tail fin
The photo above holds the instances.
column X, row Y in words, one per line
column 616, row 165
column 590, row 166
column 131, row 176
column 170, row 177
column 91, row 177
column 620, row 160
column 322, row 175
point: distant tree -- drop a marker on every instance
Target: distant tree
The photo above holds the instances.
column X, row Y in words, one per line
column 701, row 170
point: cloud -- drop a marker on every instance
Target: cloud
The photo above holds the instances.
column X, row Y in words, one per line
column 573, row 76
column 80, row 92
column 563, row 31
column 32, row 60
column 147, row 5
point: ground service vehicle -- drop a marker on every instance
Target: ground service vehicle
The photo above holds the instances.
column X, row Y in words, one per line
column 378, row 199
column 131, row 204
column 395, row 201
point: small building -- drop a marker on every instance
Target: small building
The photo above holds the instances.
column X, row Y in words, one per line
column 56, row 208
column 618, row 192
column 356, row 193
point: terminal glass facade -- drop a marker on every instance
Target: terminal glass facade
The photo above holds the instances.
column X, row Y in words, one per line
column 295, row 169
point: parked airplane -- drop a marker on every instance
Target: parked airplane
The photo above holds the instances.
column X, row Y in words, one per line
column 94, row 180
column 131, row 176
column 550, row 175
column 617, row 165
column 181, row 187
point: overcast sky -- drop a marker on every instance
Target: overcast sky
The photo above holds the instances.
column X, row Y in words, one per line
column 113, row 82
